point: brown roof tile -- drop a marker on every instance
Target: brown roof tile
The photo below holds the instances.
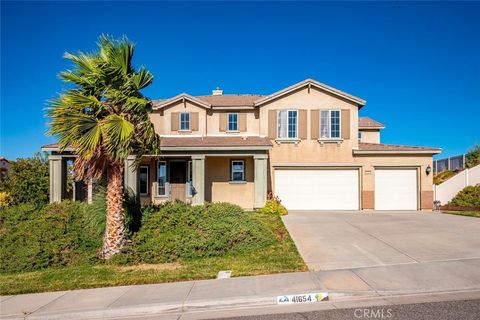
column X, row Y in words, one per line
column 367, row 122
column 224, row 100
column 392, row 147
column 215, row 142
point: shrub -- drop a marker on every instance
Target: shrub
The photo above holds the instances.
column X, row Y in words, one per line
column 55, row 235
column 468, row 197
column 5, row 199
column 181, row 231
column 95, row 213
column 273, row 206
column 443, row 176
column 28, row 180
column 472, row 158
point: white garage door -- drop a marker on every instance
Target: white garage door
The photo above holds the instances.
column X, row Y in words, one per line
column 317, row 189
column 395, row 189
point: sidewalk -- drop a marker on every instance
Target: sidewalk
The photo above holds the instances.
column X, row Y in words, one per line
column 346, row 287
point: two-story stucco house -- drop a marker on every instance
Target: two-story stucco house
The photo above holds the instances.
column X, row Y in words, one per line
column 306, row 144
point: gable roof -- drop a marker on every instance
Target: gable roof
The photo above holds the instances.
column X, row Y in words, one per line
column 369, row 123
column 310, row 83
column 157, row 104
column 252, row 100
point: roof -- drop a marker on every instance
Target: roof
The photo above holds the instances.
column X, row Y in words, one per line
column 4, row 159
column 311, row 83
column 369, row 123
column 371, row 148
column 253, row 100
column 215, row 142
column 199, row 143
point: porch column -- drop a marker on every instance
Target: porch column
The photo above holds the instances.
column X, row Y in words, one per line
column 57, row 177
column 90, row 191
column 260, row 180
column 198, row 179
column 130, row 177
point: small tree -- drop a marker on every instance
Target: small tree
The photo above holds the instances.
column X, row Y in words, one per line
column 28, row 180
column 105, row 118
column 472, row 158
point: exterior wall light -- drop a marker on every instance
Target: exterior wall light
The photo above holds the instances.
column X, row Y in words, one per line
column 428, row 170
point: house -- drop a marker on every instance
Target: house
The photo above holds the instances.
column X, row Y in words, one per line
column 305, row 143
column 4, row 167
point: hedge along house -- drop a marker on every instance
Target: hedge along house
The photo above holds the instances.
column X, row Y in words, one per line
column 305, row 143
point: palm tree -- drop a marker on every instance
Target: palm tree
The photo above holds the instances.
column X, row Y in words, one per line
column 105, row 118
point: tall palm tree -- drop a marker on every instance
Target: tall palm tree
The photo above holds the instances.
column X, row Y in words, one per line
column 105, row 118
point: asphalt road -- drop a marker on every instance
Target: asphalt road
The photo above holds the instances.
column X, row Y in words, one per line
column 446, row 310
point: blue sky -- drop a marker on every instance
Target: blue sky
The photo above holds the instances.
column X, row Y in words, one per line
column 416, row 64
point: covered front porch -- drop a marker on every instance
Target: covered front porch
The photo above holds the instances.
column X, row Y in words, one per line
column 197, row 172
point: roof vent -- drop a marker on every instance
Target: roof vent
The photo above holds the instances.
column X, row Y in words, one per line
column 217, row 92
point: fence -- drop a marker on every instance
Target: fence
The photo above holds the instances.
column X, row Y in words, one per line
column 447, row 190
column 450, row 163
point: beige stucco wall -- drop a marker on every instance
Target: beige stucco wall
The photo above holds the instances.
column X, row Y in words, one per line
column 370, row 162
column 252, row 121
column 162, row 119
column 370, row 136
column 218, row 187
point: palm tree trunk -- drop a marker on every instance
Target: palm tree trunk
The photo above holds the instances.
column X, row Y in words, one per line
column 114, row 238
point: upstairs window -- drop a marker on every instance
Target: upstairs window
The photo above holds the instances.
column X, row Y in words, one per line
column 359, row 135
column 185, row 121
column 287, row 124
column 330, row 124
column 233, row 122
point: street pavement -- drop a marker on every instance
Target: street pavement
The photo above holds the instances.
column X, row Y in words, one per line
column 445, row 310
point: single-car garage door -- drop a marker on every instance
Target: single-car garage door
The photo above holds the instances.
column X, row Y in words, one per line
column 395, row 189
column 317, row 189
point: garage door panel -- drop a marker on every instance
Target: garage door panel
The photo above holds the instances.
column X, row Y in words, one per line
column 396, row 189
column 318, row 189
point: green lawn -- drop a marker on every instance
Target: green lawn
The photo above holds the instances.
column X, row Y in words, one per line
column 282, row 256
column 475, row 214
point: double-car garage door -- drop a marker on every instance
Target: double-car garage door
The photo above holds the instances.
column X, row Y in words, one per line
column 338, row 189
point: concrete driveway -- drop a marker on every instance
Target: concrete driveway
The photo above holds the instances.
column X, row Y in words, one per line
column 346, row 240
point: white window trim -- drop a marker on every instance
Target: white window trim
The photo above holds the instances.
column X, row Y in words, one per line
column 148, row 179
column 180, row 122
column 166, row 177
column 243, row 171
column 189, row 172
column 228, row 121
column 296, row 126
column 339, row 138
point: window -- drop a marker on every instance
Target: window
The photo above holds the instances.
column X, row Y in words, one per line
column 185, row 121
column 359, row 135
column 233, row 122
column 287, row 124
column 330, row 124
column 143, row 175
column 189, row 180
column 238, row 170
column 162, row 178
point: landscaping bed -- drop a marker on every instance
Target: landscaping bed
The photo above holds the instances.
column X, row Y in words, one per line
column 54, row 247
column 465, row 203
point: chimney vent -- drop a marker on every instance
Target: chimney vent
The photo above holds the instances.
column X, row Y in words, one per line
column 217, row 92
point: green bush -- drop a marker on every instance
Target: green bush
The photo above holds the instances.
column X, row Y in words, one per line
column 28, row 180
column 472, row 158
column 181, row 231
column 96, row 212
column 468, row 197
column 55, row 235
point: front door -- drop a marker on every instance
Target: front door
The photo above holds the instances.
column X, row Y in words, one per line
column 178, row 179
